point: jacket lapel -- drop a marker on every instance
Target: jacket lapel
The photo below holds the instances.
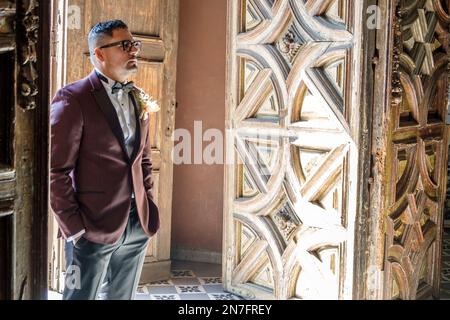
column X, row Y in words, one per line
column 137, row 137
column 103, row 101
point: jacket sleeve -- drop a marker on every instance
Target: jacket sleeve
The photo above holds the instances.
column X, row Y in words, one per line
column 147, row 167
column 66, row 123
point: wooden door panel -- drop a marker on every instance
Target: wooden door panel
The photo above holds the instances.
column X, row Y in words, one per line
column 417, row 150
column 8, row 178
column 289, row 205
column 145, row 16
column 23, row 148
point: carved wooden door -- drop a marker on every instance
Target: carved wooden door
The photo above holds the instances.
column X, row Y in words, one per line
column 23, row 149
column 155, row 23
column 293, row 121
column 412, row 149
column 8, row 178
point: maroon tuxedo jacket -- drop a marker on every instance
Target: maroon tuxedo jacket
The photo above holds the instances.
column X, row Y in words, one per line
column 91, row 176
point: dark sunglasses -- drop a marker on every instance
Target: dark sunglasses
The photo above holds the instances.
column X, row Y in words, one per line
column 125, row 44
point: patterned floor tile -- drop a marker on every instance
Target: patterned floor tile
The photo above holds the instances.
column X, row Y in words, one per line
column 165, row 297
column 223, row 296
column 190, row 289
column 182, row 274
column 210, row 280
column 160, row 283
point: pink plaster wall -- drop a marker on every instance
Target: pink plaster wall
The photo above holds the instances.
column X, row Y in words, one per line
column 198, row 188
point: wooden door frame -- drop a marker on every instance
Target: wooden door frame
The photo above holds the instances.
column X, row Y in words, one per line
column 373, row 262
column 361, row 239
column 38, row 259
column 30, row 45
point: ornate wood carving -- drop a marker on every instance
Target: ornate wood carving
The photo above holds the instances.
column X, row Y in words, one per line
column 23, row 150
column 417, row 150
column 28, row 30
column 7, row 16
column 293, row 121
column 289, row 46
column 397, row 89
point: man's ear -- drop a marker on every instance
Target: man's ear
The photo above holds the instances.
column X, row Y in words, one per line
column 99, row 54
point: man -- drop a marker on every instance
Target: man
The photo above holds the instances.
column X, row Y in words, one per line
column 100, row 177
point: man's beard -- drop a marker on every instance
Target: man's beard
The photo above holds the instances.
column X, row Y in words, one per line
column 132, row 69
column 132, row 66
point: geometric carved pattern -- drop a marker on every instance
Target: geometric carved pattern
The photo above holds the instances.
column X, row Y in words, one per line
column 419, row 40
column 290, row 208
column 417, row 151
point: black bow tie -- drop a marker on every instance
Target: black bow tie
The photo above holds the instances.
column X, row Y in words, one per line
column 126, row 87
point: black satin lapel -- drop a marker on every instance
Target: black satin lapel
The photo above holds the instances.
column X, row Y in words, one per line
column 107, row 107
column 137, row 138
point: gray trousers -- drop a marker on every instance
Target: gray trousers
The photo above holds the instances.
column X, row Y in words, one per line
column 107, row 271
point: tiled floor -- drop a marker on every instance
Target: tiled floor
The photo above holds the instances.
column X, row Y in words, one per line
column 189, row 281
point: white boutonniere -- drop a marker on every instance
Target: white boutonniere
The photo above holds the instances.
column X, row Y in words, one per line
column 146, row 103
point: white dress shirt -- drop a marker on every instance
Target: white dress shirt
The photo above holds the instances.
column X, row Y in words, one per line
column 125, row 112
